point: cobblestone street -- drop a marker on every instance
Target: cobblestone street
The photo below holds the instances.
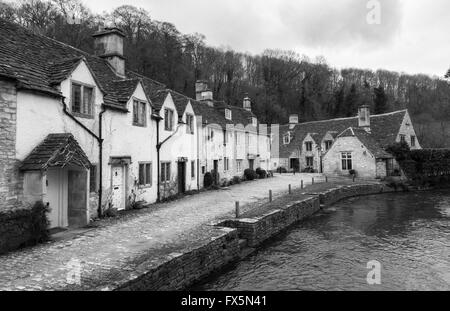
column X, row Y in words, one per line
column 116, row 245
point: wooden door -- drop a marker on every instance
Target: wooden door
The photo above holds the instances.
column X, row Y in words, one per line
column 118, row 187
column 77, row 198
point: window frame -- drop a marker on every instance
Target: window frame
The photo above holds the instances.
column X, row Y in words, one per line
column 346, row 158
column 94, row 180
column 328, row 144
column 307, row 159
column 226, row 164
column 169, row 127
column 144, row 114
column 413, row 140
column 402, row 138
column 164, row 178
column 189, row 123
column 192, row 169
column 228, row 114
column 81, row 113
column 239, row 165
column 308, row 146
column 146, row 184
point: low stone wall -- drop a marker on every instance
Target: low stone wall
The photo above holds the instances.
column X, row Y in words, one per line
column 256, row 230
column 183, row 270
column 334, row 195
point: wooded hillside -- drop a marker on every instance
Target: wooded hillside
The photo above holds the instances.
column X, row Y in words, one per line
column 279, row 82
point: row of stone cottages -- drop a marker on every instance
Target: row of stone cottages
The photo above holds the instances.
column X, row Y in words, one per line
column 81, row 132
column 346, row 145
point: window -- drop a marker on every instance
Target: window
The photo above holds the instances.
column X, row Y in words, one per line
column 413, row 141
column 165, row 172
column 226, row 164
column 254, row 121
column 189, row 124
column 228, row 114
column 347, row 161
column 145, row 174
column 328, row 144
column 239, row 165
column 309, row 161
column 287, row 138
column 402, row 138
column 93, row 178
column 139, row 113
column 211, row 135
column 168, row 119
column 82, row 99
column 225, row 137
column 192, row 169
column 203, row 169
column 308, row 145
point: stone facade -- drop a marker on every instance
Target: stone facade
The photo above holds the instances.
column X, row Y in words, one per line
column 10, row 181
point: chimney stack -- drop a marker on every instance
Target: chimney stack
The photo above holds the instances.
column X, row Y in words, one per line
column 108, row 44
column 247, row 104
column 364, row 117
column 203, row 93
column 293, row 120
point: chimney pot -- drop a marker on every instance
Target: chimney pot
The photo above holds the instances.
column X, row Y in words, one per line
column 247, row 104
column 364, row 117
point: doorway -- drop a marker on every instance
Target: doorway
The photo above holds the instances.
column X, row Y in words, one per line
column 77, row 198
column 118, row 187
column 181, row 177
column 216, row 172
column 251, row 164
column 295, row 164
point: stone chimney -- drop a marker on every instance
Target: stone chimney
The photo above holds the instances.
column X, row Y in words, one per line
column 108, row 44
column 203, row 93
column 364, row 117
column 293, row 119
column 247, row 104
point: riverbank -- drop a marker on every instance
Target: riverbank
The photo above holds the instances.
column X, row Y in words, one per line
column 239, row 237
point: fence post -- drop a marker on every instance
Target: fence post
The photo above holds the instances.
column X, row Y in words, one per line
column 270, row 195
column 238, row 210
column 290, row 189
column 326, row 178
column 302, row 184
column 353, row 178
column 313, row 181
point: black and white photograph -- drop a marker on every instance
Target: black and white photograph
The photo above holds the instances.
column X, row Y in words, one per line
column 200, row 147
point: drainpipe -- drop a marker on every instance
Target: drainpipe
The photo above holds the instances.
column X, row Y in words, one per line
column 99, row 140
column 100, row 161
column 158, row 149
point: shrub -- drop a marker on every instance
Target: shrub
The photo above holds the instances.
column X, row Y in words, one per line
column 215, row 178
column 400, row 151
column 250, row 174
column 39, row 223
column 236, row 180
column 308, row 170
column 261, row 173
column 208, row 180
column 352, row 172
column 281, row 170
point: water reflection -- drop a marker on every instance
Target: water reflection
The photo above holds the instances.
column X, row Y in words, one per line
column 409, row 234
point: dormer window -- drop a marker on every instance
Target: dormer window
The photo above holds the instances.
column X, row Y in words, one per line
column 228, row 114
column 254, row 121
column 139, row 113
column 189, row 124
column 168, row 119
column 328, row 144
column 287, row 138
column 82, row 100
column 308, row 145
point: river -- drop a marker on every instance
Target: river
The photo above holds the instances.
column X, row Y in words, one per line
column 408, row 234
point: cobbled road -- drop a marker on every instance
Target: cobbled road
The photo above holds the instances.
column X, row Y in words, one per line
column 114, row 244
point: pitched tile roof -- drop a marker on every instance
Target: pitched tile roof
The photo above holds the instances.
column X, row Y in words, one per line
column 368, row 141
column 41, row 63
column 57, row 150
column 384, row 129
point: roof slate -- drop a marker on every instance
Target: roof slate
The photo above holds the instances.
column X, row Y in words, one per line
column 368, row 141
column 57, row 150
column 384, row 130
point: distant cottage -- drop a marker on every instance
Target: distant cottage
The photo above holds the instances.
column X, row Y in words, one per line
column 84, row 134
column 339, row 146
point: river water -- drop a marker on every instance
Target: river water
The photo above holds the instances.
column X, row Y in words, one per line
column 408, row 234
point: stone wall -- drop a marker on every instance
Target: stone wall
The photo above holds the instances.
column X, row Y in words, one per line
column 183, row 270
column 10, row 180
column 258, row 229
column 334, row 195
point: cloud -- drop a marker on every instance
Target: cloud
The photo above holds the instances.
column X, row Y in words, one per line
column 341, row 23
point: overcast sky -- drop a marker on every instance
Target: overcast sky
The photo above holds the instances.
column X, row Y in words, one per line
column 413, row 35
